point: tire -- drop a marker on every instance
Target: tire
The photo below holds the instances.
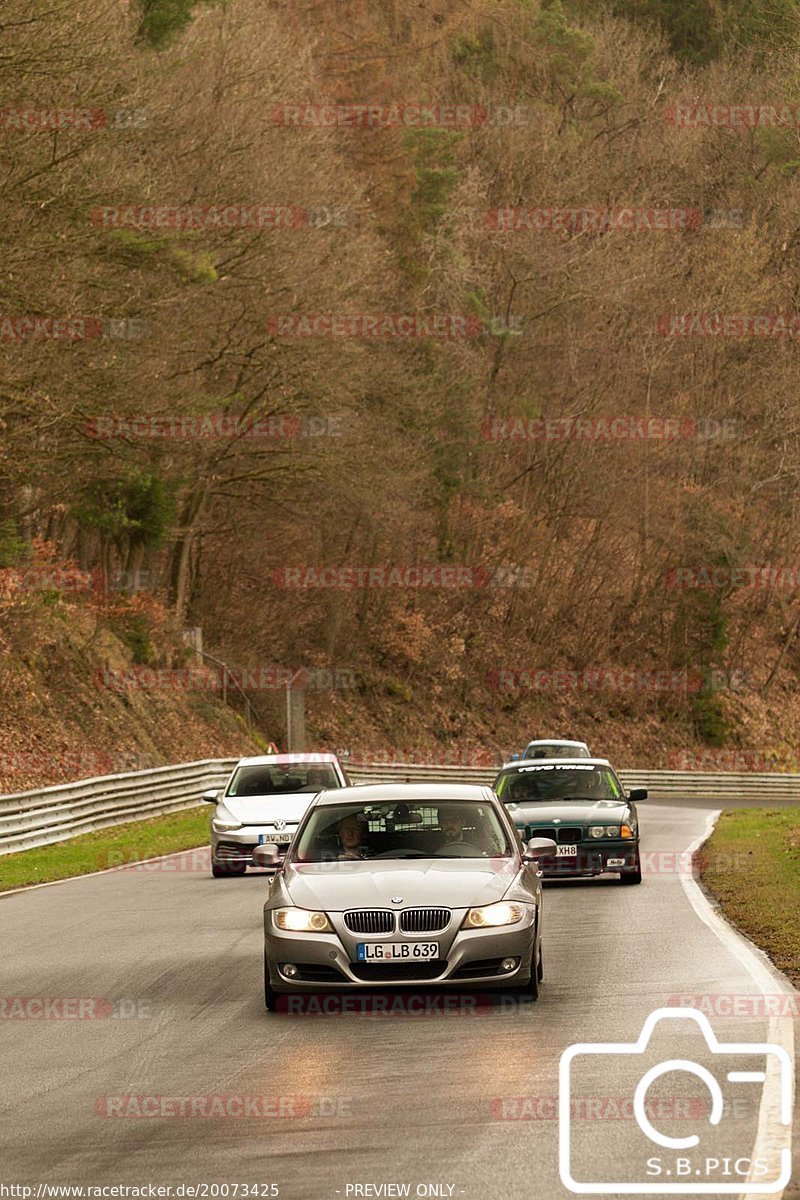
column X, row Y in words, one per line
column 270, row 995
column 226, row 870
column 634, row 876
column 530, row 990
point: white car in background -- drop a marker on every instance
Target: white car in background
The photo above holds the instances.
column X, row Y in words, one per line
column 264, row 800
column 553, row 748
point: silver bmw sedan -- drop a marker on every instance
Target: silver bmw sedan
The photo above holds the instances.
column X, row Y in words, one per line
column 404, row 885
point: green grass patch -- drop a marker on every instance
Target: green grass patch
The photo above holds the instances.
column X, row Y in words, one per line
column 112, row 847
column 751, row 864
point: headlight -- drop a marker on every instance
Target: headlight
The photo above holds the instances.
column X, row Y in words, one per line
column 598, row 831
column 302, row 920
column 489, row 916
column 224, row 821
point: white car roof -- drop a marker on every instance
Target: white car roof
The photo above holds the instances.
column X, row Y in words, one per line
column 413, row 793
column 556, row 762
column 281, row 760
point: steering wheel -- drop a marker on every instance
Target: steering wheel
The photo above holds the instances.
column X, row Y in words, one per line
column 455, row 849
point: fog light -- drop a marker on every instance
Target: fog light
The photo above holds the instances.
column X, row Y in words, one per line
column 508, row 964
column 289, row 970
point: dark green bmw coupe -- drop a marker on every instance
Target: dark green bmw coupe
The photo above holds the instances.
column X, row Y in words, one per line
column 580, row 804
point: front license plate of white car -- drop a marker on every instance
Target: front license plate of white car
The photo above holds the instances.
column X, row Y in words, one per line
column 277, row 839
column 396, row 951
column 566, row 851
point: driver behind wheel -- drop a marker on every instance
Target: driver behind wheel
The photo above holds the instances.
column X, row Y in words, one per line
column 352, row 831
column 456, row 832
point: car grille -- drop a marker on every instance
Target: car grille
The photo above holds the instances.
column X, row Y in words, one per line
column 398, row 972
column 424, row 920
column 369, row 920
column 565, row 835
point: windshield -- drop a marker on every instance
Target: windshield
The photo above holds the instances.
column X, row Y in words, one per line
column 450, row 829
column 556, row 782
column 555, row 750
column 278, row 779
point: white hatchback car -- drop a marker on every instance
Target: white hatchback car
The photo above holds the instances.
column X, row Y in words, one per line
column 264, row 801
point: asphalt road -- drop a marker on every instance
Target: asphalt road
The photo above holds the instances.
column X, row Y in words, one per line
column 165, row 964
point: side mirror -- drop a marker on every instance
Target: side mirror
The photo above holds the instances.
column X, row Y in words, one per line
column 539, row 848
column 212, row 796
column 637, row 794
column 267, row 855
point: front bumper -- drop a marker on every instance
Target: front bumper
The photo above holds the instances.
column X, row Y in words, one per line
column 466, row 956
column 593, row 859
column 236, row 846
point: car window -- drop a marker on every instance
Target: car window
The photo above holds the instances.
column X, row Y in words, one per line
column 280, row 779
column 556, row 782
column 447, row 829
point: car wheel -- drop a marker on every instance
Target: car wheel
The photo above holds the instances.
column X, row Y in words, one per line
column 270, row 995
column 222, row 870
column 634, row 876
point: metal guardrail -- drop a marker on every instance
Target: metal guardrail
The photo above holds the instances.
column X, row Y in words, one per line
column 53, row 814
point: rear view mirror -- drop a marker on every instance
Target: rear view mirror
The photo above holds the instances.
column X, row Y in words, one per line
column 514, row 758
column 539, row 848
column 211, row 797
column 267, row 855
column 637, row 794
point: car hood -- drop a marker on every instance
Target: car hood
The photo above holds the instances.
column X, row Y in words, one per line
column 460, row 883
column 541, row 812
column 266, row 810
